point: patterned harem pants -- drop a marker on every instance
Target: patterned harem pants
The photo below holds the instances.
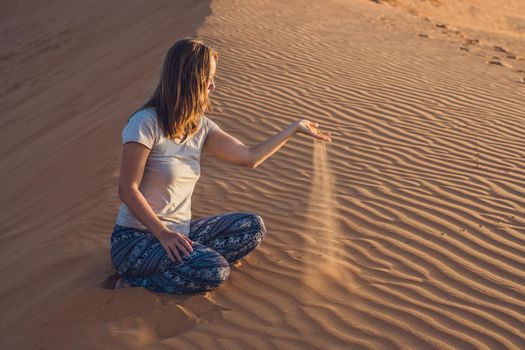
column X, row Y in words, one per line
column 219, row 241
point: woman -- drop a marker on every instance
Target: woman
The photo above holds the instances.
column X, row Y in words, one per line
column 155, row 244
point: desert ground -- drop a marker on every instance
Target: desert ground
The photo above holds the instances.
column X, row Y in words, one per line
column 407, row 231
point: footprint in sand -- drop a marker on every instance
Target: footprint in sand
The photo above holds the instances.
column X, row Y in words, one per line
column 471, row 41
column 495, row 61
column 464, row 46
column 500, row 49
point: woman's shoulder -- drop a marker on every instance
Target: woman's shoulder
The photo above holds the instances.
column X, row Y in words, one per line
column 145, row 118
column 208, row 124
column 148, row 115
column 141, row 127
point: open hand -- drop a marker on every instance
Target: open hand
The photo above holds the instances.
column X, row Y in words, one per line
column 305, row 126
column 172, row 242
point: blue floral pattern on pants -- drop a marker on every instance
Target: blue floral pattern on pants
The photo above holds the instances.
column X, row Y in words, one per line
column 219, row 241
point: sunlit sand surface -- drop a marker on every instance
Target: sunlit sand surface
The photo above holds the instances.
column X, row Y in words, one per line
column 407, row 231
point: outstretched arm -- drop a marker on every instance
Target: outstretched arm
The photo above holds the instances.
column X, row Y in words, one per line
column 229, row 148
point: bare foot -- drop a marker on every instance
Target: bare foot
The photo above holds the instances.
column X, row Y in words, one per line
column 121, row 283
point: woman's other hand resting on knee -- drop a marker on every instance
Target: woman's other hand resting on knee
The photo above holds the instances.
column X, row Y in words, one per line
column 172, row 242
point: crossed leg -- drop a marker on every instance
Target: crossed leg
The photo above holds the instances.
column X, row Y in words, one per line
column 219, row 241
column 233, row 235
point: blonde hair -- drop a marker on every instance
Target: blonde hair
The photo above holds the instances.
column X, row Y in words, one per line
column 181, row 96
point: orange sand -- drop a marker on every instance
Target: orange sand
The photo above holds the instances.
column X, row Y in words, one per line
column 418, row 243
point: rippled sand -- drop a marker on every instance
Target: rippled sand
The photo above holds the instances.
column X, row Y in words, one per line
column 405, row 232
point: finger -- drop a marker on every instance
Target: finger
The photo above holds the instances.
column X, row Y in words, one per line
column 322, row 137
column 170, row 254
column 187, row 243
column 324, row 133
column 176, row 253
column 327, row 137
column 188, row 239
column 182, row 248
column 316, row 135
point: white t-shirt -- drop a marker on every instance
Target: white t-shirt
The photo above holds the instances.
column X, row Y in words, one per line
column 171, row 172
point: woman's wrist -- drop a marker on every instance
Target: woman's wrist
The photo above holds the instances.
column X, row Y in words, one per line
column 160, row 232
column 291, row 130
column 295, row 126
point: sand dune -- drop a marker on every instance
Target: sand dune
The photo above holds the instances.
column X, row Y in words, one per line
column 417, row 242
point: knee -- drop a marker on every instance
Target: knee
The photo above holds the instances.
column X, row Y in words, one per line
column 261, row 232
column 221, row 274
column 208, row 268
column 215, row 276
column 254, row 229
column 218, row 272
column 257, row 222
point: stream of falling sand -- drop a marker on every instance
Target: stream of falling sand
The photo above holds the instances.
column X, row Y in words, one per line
column 324, row 249
column 322, row 203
